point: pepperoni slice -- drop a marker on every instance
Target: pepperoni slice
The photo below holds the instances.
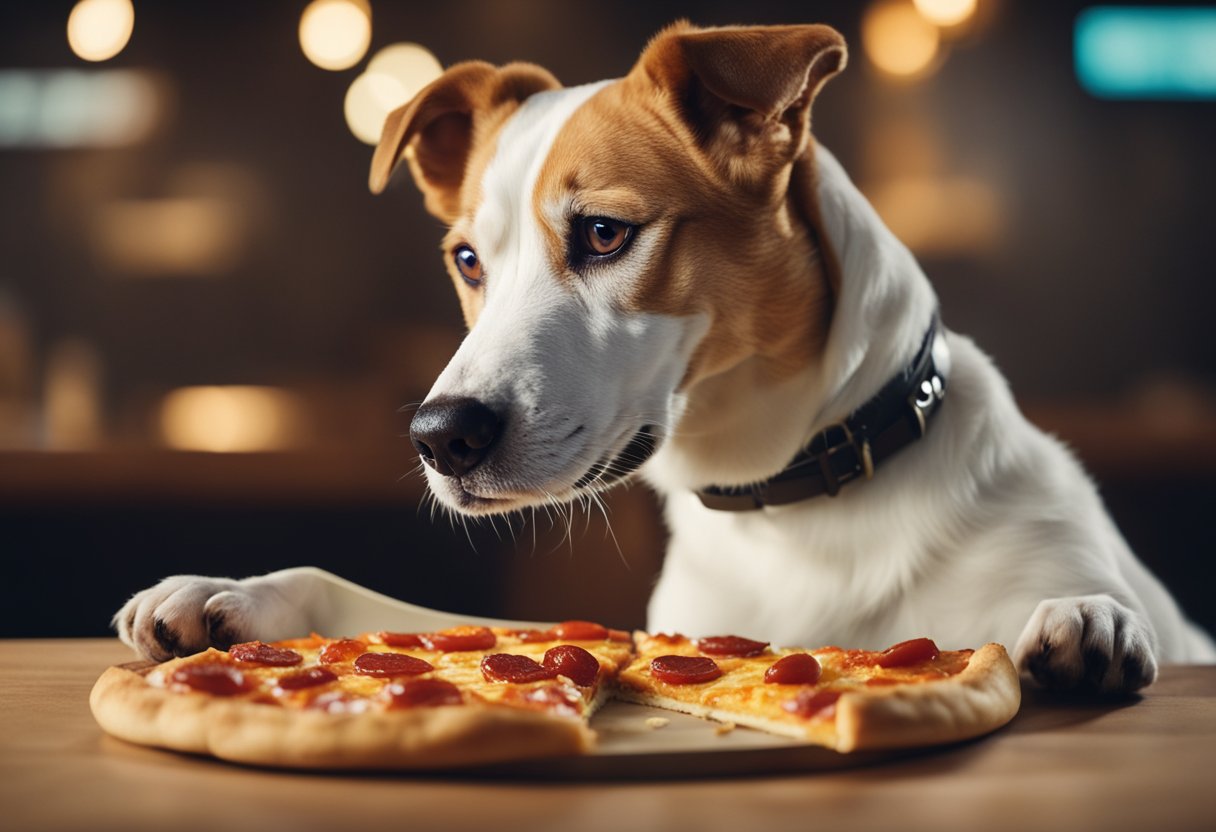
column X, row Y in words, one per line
column 460, row 638
column 579, row 631
column 423, row 693
column 730, row 646
column 684, row 670
column 507, row 667
column 400, row 639
column 213, row 678
column 619, row 635
column 813, row 703
column 342, row 650
column 255, row 652
column 906, row 653
column 794, row 669
column 573, row 662
column 310, row 678
column 390, row 664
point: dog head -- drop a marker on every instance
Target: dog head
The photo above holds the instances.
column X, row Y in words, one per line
column 614, row 247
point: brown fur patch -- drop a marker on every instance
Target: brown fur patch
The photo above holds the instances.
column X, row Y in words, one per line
column 736, row 242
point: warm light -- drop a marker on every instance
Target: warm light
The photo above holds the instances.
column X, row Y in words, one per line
column 369, row 101
column 194, row 236
column 413, row 66
column 99, row 29
column 946, row 12
column 941, row 215
column 394, row 76
column 72, row 396
column 335, row 34
column 898, row 40
column 225, row 419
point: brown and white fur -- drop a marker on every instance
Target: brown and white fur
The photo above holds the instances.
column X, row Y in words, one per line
column 758, row 299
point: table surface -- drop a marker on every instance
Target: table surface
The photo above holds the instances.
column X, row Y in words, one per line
column 1145, row 763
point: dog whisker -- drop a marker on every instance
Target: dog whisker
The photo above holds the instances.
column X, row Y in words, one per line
column 494, row 528
column 563, row 512
column 464, row 524
column 598, row 501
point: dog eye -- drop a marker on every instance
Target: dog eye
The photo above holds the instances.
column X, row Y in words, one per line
column 600, row 236
column 469, row 265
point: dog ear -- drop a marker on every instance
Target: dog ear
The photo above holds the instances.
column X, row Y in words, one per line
column 745, row 89
column 435, row 132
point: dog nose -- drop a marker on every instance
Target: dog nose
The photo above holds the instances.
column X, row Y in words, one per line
column 453, row 435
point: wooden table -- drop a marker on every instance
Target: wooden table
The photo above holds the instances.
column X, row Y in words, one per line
column 1143, row 765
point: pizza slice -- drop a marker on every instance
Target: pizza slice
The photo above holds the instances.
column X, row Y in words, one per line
column 908, row 695
column 567, row 670
column 462, row 696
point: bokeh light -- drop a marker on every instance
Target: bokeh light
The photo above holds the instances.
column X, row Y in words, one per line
column 79, row 108
column 99, row 29
column 335, row 34
column 72, row 396
column 1143, row 52
column 898, row 40
column 946, row 12
column 169, row 237
column 942, row 216
column 368, row 102
column 412, row 65
column 230, row 419
column 394, row 76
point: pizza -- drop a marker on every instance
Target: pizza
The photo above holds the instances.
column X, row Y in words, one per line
column 474, row 695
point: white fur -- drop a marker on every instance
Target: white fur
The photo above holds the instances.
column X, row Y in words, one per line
column 985, row 530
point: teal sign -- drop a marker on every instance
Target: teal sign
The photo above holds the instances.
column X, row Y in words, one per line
column 1145, row 52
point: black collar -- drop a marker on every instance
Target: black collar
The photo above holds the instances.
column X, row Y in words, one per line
column 897, row 416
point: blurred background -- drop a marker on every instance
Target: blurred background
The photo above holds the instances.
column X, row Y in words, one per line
column 208, row 325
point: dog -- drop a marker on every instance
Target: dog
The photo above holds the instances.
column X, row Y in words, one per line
column 666, row 277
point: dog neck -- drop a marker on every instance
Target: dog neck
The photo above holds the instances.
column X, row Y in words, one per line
column 742, row 426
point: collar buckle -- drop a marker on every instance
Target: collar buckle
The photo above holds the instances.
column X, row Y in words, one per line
column 827, row 448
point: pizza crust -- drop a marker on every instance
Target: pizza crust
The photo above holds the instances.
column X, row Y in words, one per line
column 984, row 696
column 126, row 706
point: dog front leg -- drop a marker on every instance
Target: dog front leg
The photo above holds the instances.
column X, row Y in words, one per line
column 1089, row 641
column 184, row 614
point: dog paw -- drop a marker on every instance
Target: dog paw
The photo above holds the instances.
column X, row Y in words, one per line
column 188, row 613
column 1090, row 642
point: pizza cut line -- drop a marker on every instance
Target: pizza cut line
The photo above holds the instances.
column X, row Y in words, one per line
column 474, row 695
